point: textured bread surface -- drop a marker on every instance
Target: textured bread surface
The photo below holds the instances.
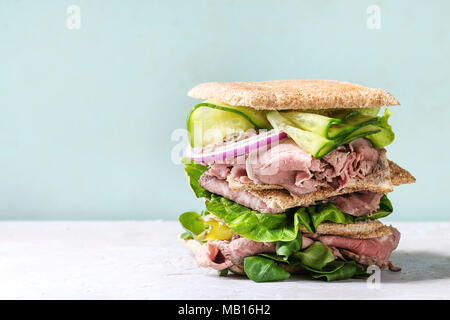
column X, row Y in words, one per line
column 399, row 175
column 294, row 94
column 359, row 230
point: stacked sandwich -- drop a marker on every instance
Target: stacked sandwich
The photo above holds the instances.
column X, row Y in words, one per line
column 295, row 179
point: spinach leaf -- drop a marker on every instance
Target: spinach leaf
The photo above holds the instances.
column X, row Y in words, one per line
column 330, row 267
column 286, row 248
column 320, row 263
column 222, row 273
column 347, row 271
column 278, row 258
column 316, row 256
column 190, row 221
column 186, row 235
column 260, row 269
column 328, row 212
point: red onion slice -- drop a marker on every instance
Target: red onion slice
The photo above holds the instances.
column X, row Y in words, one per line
column 236, row 149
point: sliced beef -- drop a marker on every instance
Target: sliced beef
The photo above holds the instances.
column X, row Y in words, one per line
column 243, row 197
column 365, row 251
column 209, row 255
column 366, row 156
column 287, row 165
column 357, row 159
column 239, row 173
column 220, row 254
column 366, row 261
column 358, row 203
column 220, row 171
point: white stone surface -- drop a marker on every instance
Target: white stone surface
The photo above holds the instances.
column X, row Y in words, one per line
column 144, row 260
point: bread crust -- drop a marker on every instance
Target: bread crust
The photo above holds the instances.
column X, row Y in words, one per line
column 294, row 94
column 399, row 175
column 359, row 230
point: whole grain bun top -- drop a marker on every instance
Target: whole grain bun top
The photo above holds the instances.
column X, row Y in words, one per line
column 294, row 94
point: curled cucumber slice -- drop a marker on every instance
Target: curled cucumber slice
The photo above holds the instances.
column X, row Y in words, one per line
column 207, row 125
column 210, row 122
column 257, row 118
column 311, row 142
column 319, row 135
column 329, row 128
column 311, row 122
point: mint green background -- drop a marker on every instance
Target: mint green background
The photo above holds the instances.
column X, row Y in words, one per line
column 86, row 115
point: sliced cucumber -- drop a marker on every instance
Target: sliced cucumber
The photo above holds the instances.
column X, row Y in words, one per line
column 342, row 113
column 373, row 112
column 329, row 128
column 318, row 134
column 258, row 118
column 210, row 122
column 349, row 124
column 359, row 133
column 311, row 122
column 208, row 125
column 308, row 141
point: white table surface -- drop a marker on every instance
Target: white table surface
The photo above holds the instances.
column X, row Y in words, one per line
column 144, row 260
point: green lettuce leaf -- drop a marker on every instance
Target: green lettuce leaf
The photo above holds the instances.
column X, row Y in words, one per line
column 260, row 269
column 386, row 135
column 267, row 227
column 260, row 227
column 194, row 171
column 327, row 212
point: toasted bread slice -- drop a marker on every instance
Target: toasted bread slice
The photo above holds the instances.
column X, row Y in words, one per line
column 359, row 230
column 399, row 175
column 294, row 94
